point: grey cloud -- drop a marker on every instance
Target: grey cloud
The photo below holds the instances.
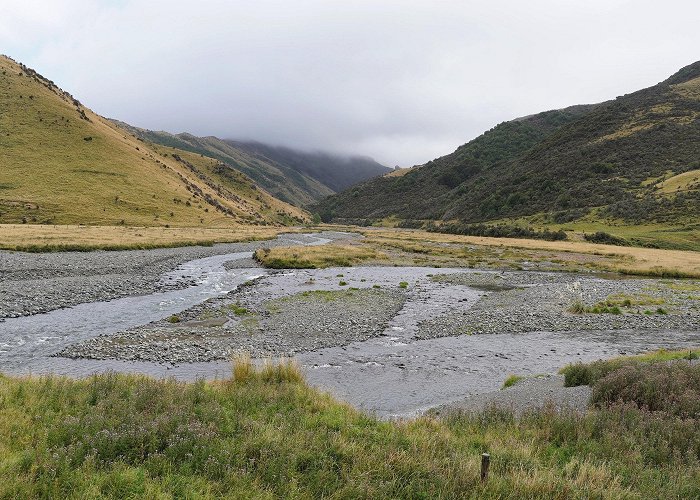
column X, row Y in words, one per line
column 403, row 81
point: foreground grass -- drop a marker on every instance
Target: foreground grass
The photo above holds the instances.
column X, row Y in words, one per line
column 265, row 434
column 40, row 238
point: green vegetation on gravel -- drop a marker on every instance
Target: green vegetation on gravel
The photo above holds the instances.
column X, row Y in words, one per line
column 619, row 303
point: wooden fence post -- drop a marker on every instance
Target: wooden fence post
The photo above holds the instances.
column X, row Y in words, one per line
column 485, row 462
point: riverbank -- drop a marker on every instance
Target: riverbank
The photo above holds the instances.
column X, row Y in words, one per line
column 389, row 340
column 266, row 433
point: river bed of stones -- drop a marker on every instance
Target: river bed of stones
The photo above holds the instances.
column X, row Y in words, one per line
column 35, row 283
column 286, row 313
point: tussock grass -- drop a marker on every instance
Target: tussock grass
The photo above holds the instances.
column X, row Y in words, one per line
column 511, row 380
column 278, row 371
column 266, row 434
column 312, row 257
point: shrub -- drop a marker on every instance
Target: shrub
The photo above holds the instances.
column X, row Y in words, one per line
column 605, row 239
column 588, row 373
column 669, row 387
column 497, row 231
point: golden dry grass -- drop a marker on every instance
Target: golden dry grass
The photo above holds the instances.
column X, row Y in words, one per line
column 398, row 173
column 415, row 247
column 628, row 259
column 38, row 237
column 687, row 181
column 309, row 257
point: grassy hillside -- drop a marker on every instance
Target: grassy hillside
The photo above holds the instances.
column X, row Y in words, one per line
column 630, row 160
column 63, row 164
column 266, row 434
column 283, row 182
column 428, row 191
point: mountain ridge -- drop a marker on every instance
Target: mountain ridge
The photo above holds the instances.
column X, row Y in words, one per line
column 295, row 176
column 604, row 160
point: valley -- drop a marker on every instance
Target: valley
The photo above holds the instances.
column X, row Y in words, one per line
column 188, row 316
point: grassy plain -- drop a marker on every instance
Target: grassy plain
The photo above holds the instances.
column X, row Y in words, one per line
column 265, row 434
column 44, row 238
column 421, row 248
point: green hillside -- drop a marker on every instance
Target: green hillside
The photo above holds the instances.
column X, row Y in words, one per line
column 294, row 176
column 63, row 164
column 282, row 182
column 633, row 159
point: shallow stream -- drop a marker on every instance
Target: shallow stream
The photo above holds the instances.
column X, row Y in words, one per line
column 391, row 375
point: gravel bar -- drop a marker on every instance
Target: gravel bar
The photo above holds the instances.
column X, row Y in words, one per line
column 221, row 327
column 35, row 283
column 527, row 394
column 524, row 302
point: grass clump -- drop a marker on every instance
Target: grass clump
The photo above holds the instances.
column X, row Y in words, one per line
column 511, row 380
column 284, row 370
column 342, row 283
column 174, row 319
column 403, row 284
column 616, row 303
column 579, row 307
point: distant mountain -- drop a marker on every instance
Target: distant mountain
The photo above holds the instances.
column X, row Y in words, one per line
column 635, row 158
column 334, row 171
column 60, row 163
column 297, row 177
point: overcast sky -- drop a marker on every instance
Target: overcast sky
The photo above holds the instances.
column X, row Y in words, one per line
column 403, row 81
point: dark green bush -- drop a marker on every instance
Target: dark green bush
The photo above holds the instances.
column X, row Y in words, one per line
column 605, row 238
column 497, row 231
